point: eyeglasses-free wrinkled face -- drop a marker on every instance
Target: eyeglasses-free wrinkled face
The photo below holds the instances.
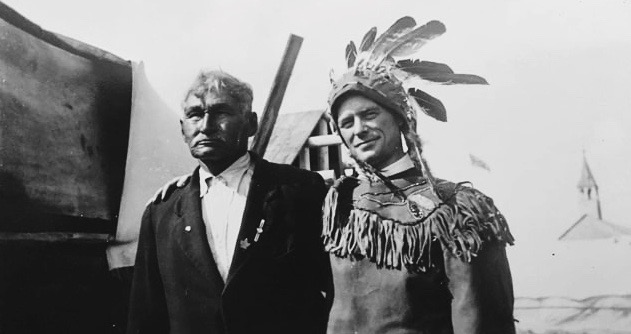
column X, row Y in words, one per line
column 371, row 132
column 215, row 128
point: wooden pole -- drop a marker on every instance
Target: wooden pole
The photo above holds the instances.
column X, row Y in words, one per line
column 305, row 159
column 323, row 155
column 270, row 113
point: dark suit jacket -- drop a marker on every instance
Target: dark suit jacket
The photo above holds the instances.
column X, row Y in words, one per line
column 277, row 284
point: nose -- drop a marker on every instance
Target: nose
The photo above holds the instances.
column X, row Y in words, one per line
column 205, row 125
column 359, row 127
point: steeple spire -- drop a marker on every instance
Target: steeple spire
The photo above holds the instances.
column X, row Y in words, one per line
column 587, row 179
column 590, row 200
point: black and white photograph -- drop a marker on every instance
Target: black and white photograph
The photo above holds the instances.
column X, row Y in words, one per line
column 325, row 167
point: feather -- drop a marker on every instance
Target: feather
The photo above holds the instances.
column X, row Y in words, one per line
column 429, row 104
column 423, row 67
column 416, row 38
column 351, row 54
column 385, row 41
column 368, row 39
column 437, row 72
column 455, row 79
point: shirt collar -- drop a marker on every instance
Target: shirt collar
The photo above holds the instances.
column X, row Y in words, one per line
column 398, row 166
column 231, row 176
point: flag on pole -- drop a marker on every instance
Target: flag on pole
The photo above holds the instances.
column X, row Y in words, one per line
column 477, row 162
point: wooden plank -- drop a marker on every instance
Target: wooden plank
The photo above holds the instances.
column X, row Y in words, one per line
column 323, row 151
column 326, row 140
column 290, row 135
column 270, row 112
column 339, row 164
column 305, row 159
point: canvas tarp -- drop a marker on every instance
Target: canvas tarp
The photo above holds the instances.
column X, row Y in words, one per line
column 156, row 154
column 64, row 123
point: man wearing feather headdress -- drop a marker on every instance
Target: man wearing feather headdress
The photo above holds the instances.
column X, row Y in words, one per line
column 409, row 253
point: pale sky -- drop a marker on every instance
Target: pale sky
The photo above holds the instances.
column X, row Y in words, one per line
column 559, row 75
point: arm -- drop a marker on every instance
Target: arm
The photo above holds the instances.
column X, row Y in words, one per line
column 482, row 292
column 318, row 267
column 147, row 308
column 475, row 261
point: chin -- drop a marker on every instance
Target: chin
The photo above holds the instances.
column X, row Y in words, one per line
column 210, row 155
column 366, row 157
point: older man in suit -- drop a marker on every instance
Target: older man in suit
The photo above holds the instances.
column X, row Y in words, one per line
column 237, row 249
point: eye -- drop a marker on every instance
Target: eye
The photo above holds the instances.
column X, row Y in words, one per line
column 194, row 113
column 371, row 114
column 221, row 111
column 345, row 123
column 224, row 111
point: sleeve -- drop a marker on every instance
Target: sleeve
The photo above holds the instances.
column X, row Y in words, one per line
column 474, row 253
column 317, row 264
column 482, row 292
column 147, row 307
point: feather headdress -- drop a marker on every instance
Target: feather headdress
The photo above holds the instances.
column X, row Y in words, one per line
column 376, row 70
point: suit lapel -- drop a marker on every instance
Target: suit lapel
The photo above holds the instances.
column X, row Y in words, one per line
column 252, row 216
column 190, row 231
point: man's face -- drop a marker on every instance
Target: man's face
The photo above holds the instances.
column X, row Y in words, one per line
column 370, row 131
column 215, row 128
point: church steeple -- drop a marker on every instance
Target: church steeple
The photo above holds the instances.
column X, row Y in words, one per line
column 588, row 188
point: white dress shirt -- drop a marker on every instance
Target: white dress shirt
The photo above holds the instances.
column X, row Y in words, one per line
column 223, row 199
column 398, row 166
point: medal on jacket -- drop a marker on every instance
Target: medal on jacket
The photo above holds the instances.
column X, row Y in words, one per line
column 420, row 205
column 245, row 243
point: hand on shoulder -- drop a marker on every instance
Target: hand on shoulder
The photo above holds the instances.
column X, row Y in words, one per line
column 167, row 189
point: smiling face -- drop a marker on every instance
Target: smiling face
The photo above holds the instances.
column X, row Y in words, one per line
column 371, row 132
column 216, row 128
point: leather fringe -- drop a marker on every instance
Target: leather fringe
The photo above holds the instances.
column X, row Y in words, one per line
column 462, row 225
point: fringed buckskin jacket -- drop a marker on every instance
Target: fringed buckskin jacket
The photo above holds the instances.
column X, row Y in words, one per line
column 414, row 263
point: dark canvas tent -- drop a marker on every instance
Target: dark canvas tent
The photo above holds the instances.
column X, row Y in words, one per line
column 64, row 125
column 64, row 111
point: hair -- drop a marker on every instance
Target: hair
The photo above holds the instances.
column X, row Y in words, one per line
column 220, row 82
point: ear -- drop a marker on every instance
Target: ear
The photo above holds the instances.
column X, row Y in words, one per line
column 182, row 128
column 253, row 123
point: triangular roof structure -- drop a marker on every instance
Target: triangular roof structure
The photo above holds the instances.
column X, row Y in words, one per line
column 589, row 227
column 587, row 179
column 290, row 135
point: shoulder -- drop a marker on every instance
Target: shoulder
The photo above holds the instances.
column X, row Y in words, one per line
column 343, row 187
column 175, row 194
column 286, row 174
column 464, row 194
column 467, row 219
column 346, row 183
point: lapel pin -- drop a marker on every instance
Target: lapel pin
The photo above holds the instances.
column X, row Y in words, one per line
column 244, row 244
column 187, row 228
column 259, row 230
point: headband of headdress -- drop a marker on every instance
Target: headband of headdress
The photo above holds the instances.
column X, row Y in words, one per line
column 375, row 72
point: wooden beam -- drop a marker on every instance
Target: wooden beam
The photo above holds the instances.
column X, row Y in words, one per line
column 270, row 113
column 326, row 140
column 323, row 154
column 305, row 159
